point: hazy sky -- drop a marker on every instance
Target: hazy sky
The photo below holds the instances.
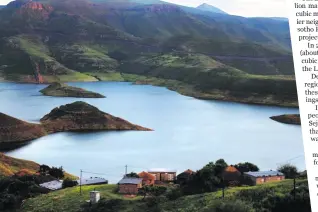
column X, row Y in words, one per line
column 248, row 8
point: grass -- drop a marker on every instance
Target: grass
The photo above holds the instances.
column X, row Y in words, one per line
column 70, row 199
column 33, row 47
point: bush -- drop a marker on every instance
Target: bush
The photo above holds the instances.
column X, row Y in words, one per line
column 112, row 205
column 9, row 202
column 57, row 172
column 230, row 206
column 174, row 194
column 67, row 183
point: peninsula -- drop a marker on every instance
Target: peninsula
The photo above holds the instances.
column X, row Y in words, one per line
column 287, row 119
column 74, row 117
column 15, row 132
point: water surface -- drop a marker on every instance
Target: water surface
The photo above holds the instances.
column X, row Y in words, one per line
column 189, row 132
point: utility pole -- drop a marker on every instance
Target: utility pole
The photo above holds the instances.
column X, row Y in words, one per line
column 81, row 182
column 126, row 170
column 294, row 188
column 223, row 188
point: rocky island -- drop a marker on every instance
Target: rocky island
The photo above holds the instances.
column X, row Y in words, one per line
column 64, row 90
column 287, row 119
column 80, row 116
column 15, row 132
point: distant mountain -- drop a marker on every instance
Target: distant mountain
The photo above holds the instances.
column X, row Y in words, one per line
column 210, row 8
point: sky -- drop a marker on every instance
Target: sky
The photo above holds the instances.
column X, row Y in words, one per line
column 247, row 8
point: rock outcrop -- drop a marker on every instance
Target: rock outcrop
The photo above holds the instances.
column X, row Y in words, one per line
column 80, row 116
column 287, row 119
column 63, row 90
column 15, row 132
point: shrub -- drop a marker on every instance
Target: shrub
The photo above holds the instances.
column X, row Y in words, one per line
column 230, row 206
column 67, row 183
column 174, row 193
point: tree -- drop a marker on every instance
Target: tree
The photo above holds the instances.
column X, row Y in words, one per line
column 207, row 179
column 57, row 172
column 132, row 174
column 44, row 169
column 290, row 171
column 220, row 166
column 246, row 167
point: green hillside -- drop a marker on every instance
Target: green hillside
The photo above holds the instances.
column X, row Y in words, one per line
column 257, row 198
column 207, row 57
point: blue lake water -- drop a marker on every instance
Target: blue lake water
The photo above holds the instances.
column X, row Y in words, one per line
column 189, row 132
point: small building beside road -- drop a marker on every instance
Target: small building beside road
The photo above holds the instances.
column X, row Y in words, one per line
column 129, row 185
column 231, row 176
column 256, row 178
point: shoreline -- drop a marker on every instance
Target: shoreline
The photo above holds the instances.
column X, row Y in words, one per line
column 177, row 86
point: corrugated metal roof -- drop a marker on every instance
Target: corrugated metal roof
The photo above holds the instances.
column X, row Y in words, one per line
column 92, row 181
column 53, row 185
column 264, row 173
column 130, row 180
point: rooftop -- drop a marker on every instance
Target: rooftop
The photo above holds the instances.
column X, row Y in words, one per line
column 92, row 181
column 130, row 180
column 264, row 173
column 53, row 185
column 146, row 175
column 162, row 170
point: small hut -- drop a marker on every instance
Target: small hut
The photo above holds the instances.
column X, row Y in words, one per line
column 129, row 185
column 231, row 176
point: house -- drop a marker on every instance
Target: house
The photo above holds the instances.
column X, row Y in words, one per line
column 53, row 185
column 185, row 176
column 264, row 177
column 92, row 181
column 231, row 176
column 163, row 175
column 147, row 179
column 129, row 185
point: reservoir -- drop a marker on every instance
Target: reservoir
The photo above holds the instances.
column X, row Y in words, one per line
column 189, row 133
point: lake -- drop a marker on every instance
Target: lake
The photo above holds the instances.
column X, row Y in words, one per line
column 188, row 134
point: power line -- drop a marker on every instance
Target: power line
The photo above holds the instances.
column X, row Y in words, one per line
column 291, row 159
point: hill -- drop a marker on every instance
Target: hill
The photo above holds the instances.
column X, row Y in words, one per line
column 80, row 116
column 58, row 41
column 70, row 199
column 15, row 132
column 10, row 166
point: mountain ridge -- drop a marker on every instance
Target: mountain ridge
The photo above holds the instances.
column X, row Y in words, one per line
column 85, row 41
column 210, row 8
